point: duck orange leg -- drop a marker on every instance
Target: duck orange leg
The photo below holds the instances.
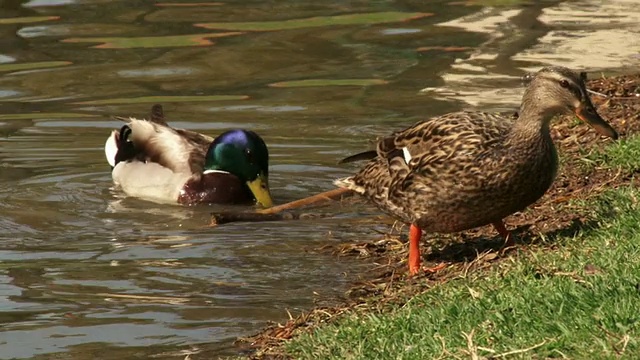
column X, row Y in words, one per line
column 415, row 233
column 506, row 234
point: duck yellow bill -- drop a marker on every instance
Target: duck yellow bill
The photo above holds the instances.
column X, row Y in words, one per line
column 260, row 189
column 587, row 113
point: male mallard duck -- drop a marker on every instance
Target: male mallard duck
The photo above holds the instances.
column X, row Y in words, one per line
column 154, row 161
column 468, row 169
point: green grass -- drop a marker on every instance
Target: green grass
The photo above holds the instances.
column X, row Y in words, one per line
column 624, row 154
column 574, row 297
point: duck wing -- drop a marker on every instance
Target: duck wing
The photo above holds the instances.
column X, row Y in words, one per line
column 435, row 155
column 180, row 150
column 442, row 142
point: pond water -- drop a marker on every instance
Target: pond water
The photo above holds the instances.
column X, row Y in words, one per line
column 88, row 273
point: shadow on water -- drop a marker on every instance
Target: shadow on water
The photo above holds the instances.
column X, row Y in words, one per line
column 87, row 273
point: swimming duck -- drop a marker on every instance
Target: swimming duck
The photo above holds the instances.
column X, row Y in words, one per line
column 154, row 161
column 468, row 169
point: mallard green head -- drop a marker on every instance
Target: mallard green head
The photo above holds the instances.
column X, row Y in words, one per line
column 244, row 154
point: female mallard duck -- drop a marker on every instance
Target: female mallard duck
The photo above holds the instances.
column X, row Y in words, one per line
column 154, row 161
column 468, row 169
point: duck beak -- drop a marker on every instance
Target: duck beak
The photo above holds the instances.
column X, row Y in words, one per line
column 587, row 113
column 260, row 189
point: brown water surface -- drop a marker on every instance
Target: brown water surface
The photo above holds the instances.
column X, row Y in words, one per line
column 86, row 273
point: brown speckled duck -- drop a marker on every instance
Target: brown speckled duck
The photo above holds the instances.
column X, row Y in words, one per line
column 468, row 169
column 154, row 161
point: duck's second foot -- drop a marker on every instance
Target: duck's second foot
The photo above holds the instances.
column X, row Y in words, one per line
column 415, row 233
column 506, row 234
column 435, row 269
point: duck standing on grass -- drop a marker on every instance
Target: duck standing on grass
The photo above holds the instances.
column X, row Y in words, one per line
column 468, row 169
column 154, row 161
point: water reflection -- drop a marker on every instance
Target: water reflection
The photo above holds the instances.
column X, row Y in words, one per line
column 88, row 273
column 542, row 33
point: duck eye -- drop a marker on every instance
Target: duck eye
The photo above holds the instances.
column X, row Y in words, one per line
column 564, row 83
column 249, row 154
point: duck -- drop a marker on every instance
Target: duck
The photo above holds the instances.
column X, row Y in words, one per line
column 153, row 161
column 468, row 169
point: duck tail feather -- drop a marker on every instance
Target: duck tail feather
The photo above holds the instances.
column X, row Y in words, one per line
column 349, row 183
column 157, row 115
column 111, row 147
column 366, row 155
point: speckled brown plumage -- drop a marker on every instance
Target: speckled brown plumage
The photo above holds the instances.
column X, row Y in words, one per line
column 456, row 176
column 468, row 169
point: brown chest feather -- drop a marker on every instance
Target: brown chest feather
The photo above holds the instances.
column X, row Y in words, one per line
column 215, row 188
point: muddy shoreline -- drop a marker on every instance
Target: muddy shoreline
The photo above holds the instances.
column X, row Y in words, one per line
column 554, row 215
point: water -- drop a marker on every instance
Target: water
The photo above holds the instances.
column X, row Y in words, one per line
column 88, row 273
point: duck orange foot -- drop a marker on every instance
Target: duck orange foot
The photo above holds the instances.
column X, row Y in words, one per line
column 435, row 269
column 427, row 269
